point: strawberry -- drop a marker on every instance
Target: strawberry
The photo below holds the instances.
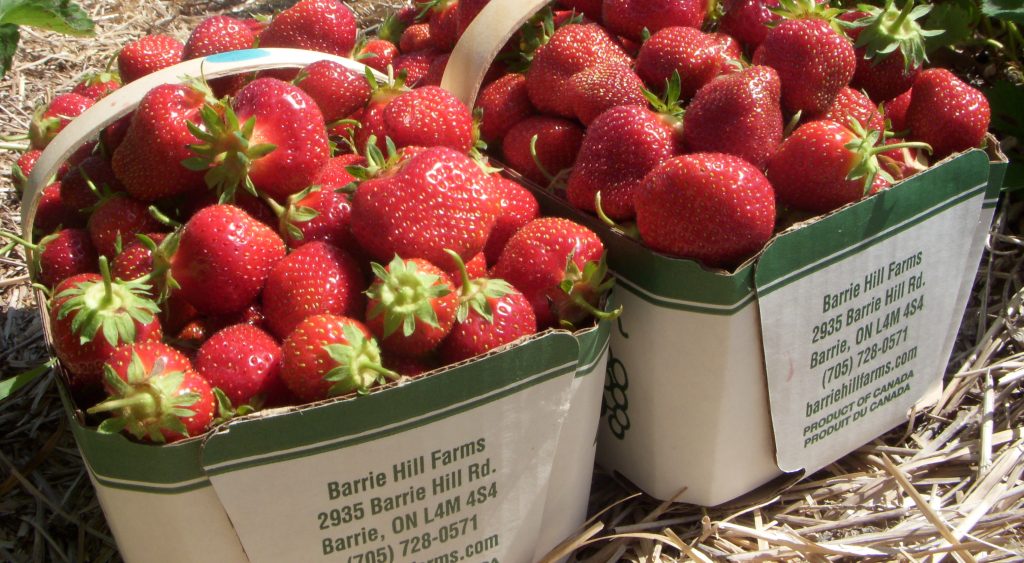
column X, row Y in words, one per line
column 854, row 104
column 712, row 207
column 90, row 315
column 902, row 162
column 315, row 278
column 434, row 200
column 629, row 18
column 337, row 90
column 148, row 160
column 747, row 20
column 116, row 219
column 557, row 143
column 75, row 190
column 416, row 37
column 245, row 364
column 328, row 355
column 490, row 313
column 320, row 212
column 476, row 268
column 559, row 266
column 55, row 116
column 572, row 48
column 504, row 103
column 376, row 53
column 947, row 113
column 589, row 8
column 444, row 23
column 223, row 259
column 737, row 114
column 147, row 55
column 138, row 257
column 824, row 165
column 155, row 395
column 729, row 49
column 112, row 135
column 429, row 117
column 619, row 149
column 328, row 26
column 371, row 118
column 518, row 207
column 97, row 85
column 813, row 60
column 895, row 111
column 695, row 55
column 410, row 367
column 468, row 10
column 23, row 167
column 603, row 86
column 435, row 73
column 220, row 34
column 59, row 256
column 415, row 296
column 415, row 65
column 53, row 213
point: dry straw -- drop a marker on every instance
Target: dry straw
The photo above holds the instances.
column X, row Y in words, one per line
column 947, row 486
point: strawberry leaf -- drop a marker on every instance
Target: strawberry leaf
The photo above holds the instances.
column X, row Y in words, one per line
column 9, row 37
column 1007, row 10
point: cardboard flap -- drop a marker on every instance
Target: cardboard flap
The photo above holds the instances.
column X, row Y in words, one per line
column 856, row 310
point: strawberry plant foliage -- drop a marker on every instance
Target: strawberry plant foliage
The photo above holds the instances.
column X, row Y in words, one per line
column 60, row 16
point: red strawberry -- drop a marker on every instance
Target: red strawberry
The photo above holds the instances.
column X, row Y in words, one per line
column 476, row 268
column 245, row 363
column 315, row 278
column 55, row 116
column 629, row 18
column 572, row 48
column 97, row 85
column 619, row 149
column 411, row 306
column 603, row 86
column 328, row 355
column 559, row 266
column 746, row 20
column 813, row 60
column 52, row 212
column 328, row 26
column 504, row 103
column 136, row 259
column 337, row 90
column 429, row 117
column 115, row 221
column 410, row 367
column 854, row 104
column 695, row 55
column 712, row 207
column 518, row 207
column 896, row 111
column 112, row 135
column 59, row 256
column 321, row 214
column 729, row 49
column 91, row 315
column 220, row 34
column 23, row 167
column 902, row 162
column 415, row 65
column 491, row 313
column 371, row 118
column 155, row 395
column 435, row 73
column 224, row 258
column 74, row 186
column 947, row 113
column 468, row 10
column 434, row 200
column 148, row 160
column 737, row 114
column 376, row 53
column 444, row 23
column 558, row 143
column 416, row 37
column 147, row 55
column 589, row 8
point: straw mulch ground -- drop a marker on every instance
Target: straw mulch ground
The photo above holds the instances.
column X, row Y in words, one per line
column 947, row 486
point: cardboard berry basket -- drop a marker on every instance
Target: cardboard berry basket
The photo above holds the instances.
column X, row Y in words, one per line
column 490, row 459
column 720, row 382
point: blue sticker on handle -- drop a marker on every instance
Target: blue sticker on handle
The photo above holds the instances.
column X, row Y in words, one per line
column 236, row 56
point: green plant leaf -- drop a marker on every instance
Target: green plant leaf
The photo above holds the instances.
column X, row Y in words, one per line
column 955, row 18
column 10, row 385
column 9, row 37
column 61, row 16
column 1008, row 10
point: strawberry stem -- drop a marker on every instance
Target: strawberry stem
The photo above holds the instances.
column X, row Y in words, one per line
column 630, row 231
column 11, row 236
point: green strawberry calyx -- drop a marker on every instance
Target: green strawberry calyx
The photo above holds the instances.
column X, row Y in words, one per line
column 377, row 164
column 866, row 146
column 405, row 296
column 107, row 306
column 289, row 216
column 391, row 29
column 668, row 105
column 148, row 402
column 478, row 294
column 160, row 275
column 807, row 9
column 585, row 288
column 383, row 92
column 884, row 30
column 359, row 365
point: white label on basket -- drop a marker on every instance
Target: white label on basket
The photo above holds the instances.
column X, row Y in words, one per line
column 471, row 486
column 848, row 367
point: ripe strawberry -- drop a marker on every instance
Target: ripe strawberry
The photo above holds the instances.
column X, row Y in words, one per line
column 116, row 219
column 435, row 73
column 415, row 296
column 245, row 363
column 328, row 355
column 429, row 117
column 52, row 212
column 23, row 167
column 155, row 395
column 813, row 60
column 410, row 367
column 737, row 114
column 59, row 256
column 376, row 53
column 371, row 118
column 619, row 149
column 75, row 190
column 902, row 163
column 854, row 104
column 476, row 268
column 629, row 18
column 572, row 48
column 55, row 116
column 947, row 113
column 97, row 85
column 112, row 135
column 321, row 214
column 148, row 160
column 824, row 165
column 504, row 103
column 468, row 10
column 747, row 20
column 337, row 90
column 147, row 55
column 896, row 111
column 518, row 207
column 315, row 278
column 415, row 65
column 139, row 257
column 729, row 49
column 695, row 55
column 603, row 86
column 558, row 142
column 434, row 200
column 589, row 8
column 90, row 315
column 328, row 26
column 223, row 259
column 416, row 37
column 490, row 313
column 220, row 34
column 712, row 207
column 559, row 266
column 444, row 23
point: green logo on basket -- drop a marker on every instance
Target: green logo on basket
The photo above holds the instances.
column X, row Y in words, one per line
column 615, row 402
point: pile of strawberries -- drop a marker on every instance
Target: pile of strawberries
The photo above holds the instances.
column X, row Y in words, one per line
column 285, row 237
column 705, row 131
